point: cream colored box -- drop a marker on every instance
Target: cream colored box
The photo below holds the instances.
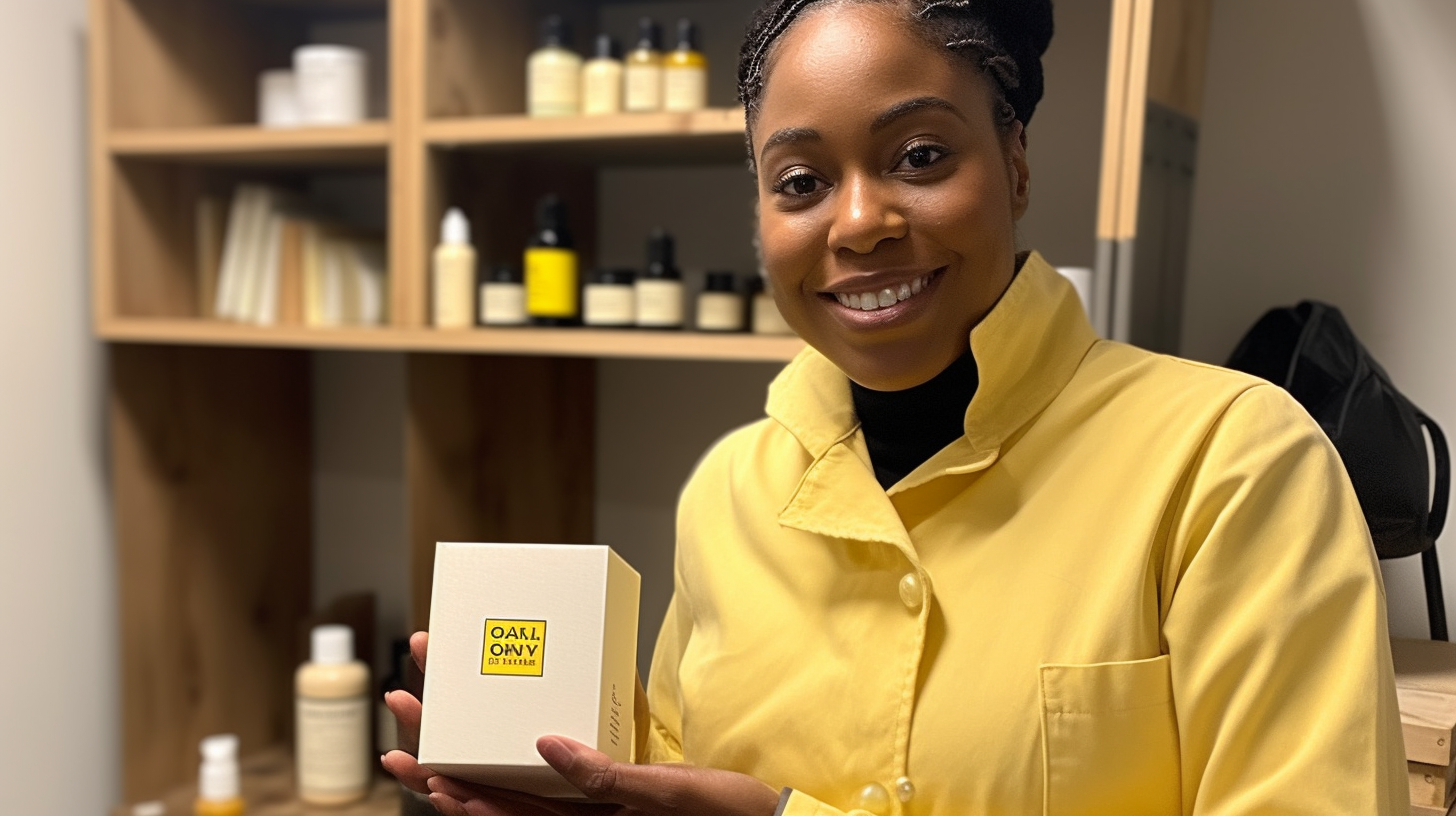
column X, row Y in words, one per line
column 527, row 640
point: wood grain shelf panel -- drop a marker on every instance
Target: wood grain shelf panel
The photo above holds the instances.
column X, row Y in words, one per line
column 715, row 134
column 589, row 343
column 267, row 788
column 366, row 143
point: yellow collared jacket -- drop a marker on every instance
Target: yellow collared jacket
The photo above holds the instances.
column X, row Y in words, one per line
column 1136, row 586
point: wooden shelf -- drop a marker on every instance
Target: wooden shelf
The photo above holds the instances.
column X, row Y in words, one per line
column 589, row 343
column 267, row 782
column 366, row 143
column 710, row 135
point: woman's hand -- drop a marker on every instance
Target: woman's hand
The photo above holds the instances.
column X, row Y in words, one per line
column 648, row 790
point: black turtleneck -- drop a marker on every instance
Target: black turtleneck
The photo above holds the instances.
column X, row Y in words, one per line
column 904, row 428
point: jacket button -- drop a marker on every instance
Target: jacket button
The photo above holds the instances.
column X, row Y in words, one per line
column 904, row 789
column 874, row 798
column 912, row 594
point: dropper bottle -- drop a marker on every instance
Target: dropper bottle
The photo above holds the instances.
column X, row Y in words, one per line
column 218, row 788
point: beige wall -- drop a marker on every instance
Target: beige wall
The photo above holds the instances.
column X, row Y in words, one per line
column 57, row 597
column 1326, row 171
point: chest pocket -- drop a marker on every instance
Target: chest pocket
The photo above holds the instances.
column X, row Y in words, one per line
column 1109, row 739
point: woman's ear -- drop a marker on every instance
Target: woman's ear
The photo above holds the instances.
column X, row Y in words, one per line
column 1018, row 171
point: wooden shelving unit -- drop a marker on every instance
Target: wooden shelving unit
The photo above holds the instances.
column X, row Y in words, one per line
column 249, row 144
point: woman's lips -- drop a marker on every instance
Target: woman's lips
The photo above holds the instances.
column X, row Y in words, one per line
column 883, row 306
column 872, row 300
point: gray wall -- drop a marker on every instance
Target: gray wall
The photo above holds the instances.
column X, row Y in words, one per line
column 57, row 583
column 1326, row 171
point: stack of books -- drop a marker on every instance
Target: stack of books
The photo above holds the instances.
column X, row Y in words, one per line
column 1425, row 683
column 262, row 260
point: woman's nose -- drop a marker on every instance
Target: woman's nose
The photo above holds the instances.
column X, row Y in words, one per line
column 864, row 215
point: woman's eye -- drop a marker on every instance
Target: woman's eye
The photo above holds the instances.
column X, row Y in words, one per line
column 798, row 184
column 919, row 157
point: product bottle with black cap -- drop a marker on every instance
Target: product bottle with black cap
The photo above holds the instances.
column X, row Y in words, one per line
column 643, row 71
column 601, row 80
column 685, row 72
column 720, row 307
column 553, row 72
column 660, row 289
column 551, row 268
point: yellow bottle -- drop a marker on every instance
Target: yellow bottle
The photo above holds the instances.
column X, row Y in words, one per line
column 601, row 80
column 643, row 70
column 553, row 73
column 685, row 72
column 217, row 780
column 332, row 693
column 551, row 268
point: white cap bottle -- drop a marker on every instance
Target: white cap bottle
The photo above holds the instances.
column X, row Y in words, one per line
column 218, row 785
column 454, row 274
column 333, row 720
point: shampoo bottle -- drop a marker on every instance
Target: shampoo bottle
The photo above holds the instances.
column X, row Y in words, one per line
column 643, row 71
column 553, row 72
column 601, row 80
column 332, row 690
column 218, row 788
column 454, row 274
column 685, row 72
column 660, row 289
column 551, row 268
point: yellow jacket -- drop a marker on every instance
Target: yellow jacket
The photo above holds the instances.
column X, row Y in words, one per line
column 1137, row 585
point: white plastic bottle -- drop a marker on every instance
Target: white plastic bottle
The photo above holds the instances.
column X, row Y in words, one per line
column 553, row 72
column 454, row 274
column 332, row 693
column 218, row 788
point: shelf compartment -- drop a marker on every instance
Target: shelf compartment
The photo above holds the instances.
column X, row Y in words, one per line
column 709, row 135
column 365, row 144
column 267, row 788
column 588, row 343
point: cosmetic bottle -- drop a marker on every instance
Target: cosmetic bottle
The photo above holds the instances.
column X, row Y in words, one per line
column 551, row 268
column 720, row 307
column 502, row 297
column 765, row 313
column 453, row 280
column 643, row 70
column 553, row 72
column 332, row 694
column 660, row 289
column 218, row 786
column 685, row 72
column 601, row 80
column 611, row 299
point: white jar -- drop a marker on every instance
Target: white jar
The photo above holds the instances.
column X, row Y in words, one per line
column 332, row 84
column 610, row 299
column 278, row 99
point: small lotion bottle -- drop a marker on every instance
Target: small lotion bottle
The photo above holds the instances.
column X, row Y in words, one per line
column 453, row 279
column 685, row 72
column 601, row 80
column 553, row 72
column 720, row 307
column 502, row 298
column 643, row 70
column 611, row 299
column 660, row 289
column 218, row 784
column 765, row 313
column 333, row 746
column 551, row 268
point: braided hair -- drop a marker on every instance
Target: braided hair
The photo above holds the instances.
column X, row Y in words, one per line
column 1003, row 39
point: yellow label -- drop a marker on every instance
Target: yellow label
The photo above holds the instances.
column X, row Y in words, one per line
column 551, row 282
column 515, row 647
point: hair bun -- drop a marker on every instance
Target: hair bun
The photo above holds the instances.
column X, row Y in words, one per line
column 1024, row 25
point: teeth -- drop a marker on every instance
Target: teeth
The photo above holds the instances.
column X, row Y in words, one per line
column 889, row 296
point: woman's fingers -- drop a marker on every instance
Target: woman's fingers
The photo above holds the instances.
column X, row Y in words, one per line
column 657, row 788
column 419, row 644
column 479, row 800
column 410, row 773
column 407, row 711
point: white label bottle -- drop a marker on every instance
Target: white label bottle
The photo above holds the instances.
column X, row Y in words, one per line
column 453, row 278
column 685, row 72
column 643, row 70
column 553, row 73
column 660, row 289
column 601, row 80
column 332, row 693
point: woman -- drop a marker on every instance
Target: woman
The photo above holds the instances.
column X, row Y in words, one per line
column 977, row 561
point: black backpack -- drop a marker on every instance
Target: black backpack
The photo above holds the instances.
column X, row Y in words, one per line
column 1310, row 350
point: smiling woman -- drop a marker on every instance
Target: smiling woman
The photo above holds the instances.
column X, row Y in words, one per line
column 976, row 560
